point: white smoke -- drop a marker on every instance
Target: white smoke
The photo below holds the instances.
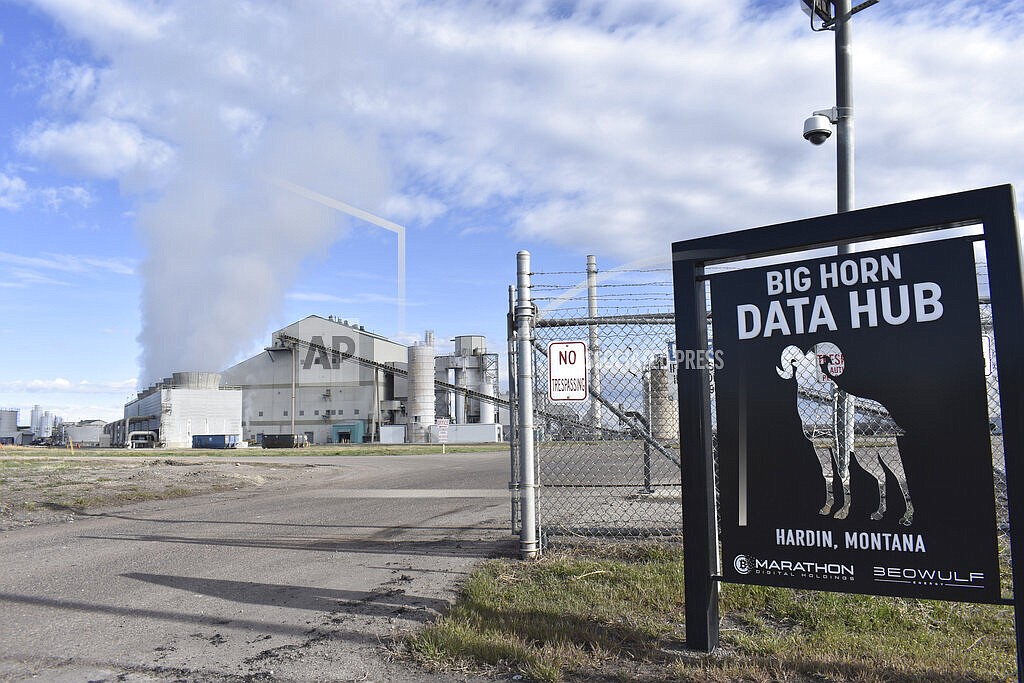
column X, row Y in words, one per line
column 224, row 243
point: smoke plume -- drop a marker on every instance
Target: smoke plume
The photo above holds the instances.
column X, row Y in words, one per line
column 224, row 243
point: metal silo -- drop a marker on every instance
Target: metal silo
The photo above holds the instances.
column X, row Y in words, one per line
column 421, row 390
column 660, row 402
column 8, row 422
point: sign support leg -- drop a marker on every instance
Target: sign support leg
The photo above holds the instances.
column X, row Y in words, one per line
column 699, row 521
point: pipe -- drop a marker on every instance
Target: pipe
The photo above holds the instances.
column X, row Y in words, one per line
column 527, row 482
column 513, row 427
column 844, row 107
column 291, row 413
column 595, row 366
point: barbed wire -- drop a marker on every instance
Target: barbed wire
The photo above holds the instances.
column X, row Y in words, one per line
column 606, row 271
column 623, row 297
column 604, row 285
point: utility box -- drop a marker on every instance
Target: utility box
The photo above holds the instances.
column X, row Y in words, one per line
column 215, row 440
column 285, row 441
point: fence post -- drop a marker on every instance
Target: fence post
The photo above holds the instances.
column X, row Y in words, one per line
column 513, row 403
column 595, row 347
column 700, row 526
column 524, row 326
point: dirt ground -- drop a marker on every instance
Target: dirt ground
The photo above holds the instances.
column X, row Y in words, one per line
column 42, row 487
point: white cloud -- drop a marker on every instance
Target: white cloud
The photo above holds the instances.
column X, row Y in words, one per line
column 25, row 272
column 69, row 86
column 109, row 20
column 56, row 197
column 70, row 263
column 323, row 297
column 66, row 386
column 103, row 148
column 14, row 193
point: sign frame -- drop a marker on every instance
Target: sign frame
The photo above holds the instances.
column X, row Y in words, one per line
column 442, row 424
column 992, row 210
column 576, row 394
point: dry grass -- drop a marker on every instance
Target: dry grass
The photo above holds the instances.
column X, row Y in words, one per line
column 618, row 615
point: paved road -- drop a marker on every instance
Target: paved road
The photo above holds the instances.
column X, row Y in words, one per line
column 304, row 579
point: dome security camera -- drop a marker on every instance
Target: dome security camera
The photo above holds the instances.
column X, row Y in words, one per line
column 817, row 129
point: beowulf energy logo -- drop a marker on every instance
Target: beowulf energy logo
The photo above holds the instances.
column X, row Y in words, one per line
column 912, row 576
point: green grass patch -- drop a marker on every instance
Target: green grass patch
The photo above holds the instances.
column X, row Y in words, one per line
column 619, row 615
column 23, row 464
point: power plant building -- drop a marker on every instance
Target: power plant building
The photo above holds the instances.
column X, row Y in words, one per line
column 333, row 382
column 327, row 379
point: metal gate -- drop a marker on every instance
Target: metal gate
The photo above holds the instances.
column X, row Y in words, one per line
column 607, row 466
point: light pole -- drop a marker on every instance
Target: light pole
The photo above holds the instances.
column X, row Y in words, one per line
column 835, row 15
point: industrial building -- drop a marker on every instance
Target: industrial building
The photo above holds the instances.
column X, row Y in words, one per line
column 9, row 433
column 322, row 377
column 333, row 382
column 43, row 423
column 172, row 411
column 85, row 433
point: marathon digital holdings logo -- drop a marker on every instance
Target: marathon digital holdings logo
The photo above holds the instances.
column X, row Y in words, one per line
column 745, row 565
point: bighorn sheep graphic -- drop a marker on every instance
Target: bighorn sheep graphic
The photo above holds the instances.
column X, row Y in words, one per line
column 833, row 419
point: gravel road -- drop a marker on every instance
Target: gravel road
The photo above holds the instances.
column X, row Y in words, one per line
column 311, row 575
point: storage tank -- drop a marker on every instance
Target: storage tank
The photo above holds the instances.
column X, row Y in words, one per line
column 486, row 408
column 8, row 422
column 660, row 401
column 421, row 389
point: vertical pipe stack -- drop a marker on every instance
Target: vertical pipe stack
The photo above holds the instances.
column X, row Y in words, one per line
column 528, row 546
column 595, row 366
column 421, row 390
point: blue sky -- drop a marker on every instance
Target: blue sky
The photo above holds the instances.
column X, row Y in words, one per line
column 143, row 146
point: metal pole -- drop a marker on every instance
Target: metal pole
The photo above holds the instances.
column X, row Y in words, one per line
column 291, row 413
column 700, row 525
column 527, row 491
column 844, row 193
column 844, row 110
column 513, row 426
column 647, row 422
column 595, row 366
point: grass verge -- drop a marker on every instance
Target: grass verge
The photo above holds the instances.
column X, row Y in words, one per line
column 618, row 615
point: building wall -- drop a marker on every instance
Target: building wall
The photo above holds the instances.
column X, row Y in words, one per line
column 186, row 412
column 180, row 413
column 8, row 422
column 87, row 434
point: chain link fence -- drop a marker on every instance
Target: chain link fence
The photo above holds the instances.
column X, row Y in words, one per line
column 608, row 466
column 995, row 423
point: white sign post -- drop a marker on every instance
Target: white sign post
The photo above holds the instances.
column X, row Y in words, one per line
column 567, row 371
column 442, row 431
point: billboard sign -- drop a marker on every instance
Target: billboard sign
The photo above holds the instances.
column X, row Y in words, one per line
column 852, row 416
column 849, row 417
